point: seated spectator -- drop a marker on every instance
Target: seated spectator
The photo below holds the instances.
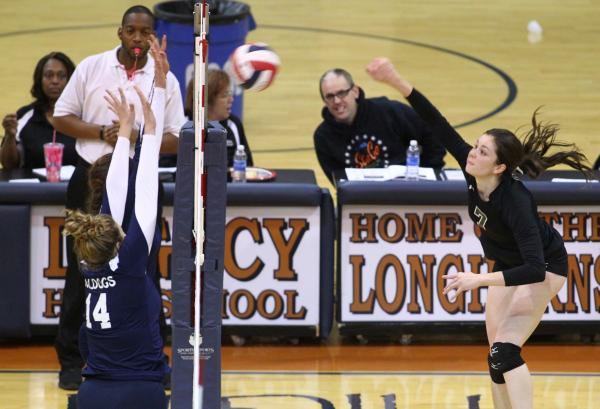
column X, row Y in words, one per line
column 27, row 130
column 359, row 132
column 219, row 98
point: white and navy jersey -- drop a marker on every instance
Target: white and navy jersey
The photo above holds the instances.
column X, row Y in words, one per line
column 512, row 233
column 121, row 338
column 122, row 319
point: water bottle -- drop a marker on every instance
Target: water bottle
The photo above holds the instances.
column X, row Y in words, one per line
column 412, row 161
column 239, row 165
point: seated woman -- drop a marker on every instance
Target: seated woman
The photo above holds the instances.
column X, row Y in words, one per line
column 218, row 105
column 27, row 130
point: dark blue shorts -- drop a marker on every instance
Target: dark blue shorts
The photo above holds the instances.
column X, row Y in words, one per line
column 104, row 394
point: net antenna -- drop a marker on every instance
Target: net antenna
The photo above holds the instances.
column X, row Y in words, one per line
column 200, row 70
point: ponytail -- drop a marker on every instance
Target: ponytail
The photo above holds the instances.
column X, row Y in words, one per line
column 531, row 156
column 96, row 182
column 539, row 140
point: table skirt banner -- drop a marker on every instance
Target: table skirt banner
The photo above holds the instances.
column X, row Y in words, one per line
column 48, row 262
column 272, row 269
column 392, row 259
column 272, row 265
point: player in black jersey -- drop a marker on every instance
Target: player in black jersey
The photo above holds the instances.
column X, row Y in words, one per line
column 530, row 257
column 120, row 338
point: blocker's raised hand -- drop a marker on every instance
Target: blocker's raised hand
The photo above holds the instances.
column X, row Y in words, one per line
column 124, row 111
column 149, row 119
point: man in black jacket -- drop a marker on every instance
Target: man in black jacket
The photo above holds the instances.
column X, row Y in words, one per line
column 359, row 132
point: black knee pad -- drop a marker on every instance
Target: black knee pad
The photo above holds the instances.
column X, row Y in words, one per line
column 503, row 357
column 496, row 375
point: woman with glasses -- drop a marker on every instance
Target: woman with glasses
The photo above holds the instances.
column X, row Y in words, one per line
column 219, row 98
column 27, row 130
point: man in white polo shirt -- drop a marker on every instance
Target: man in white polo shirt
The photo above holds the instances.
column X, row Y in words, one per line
column 82, row 113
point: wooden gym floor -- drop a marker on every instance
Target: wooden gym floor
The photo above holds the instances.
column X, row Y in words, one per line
column 309, row 376
column 471, row 58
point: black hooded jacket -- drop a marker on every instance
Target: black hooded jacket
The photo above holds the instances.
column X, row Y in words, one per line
column 378, row 137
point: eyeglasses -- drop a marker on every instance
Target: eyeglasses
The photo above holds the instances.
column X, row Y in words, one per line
column 340, row 94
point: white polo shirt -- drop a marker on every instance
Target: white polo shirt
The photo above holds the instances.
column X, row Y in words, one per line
column 84, row 97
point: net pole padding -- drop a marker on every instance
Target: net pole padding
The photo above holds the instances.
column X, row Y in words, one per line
column 199, row 114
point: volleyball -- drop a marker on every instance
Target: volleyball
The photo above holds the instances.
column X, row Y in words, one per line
column 253, row 66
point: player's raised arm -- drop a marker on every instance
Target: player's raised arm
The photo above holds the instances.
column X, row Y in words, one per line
column 381, row 69
column 117, row 176
column 146, row 182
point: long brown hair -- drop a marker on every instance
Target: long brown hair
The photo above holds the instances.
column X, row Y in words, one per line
column 532, row 155
column 97, row 237
column 96, row 181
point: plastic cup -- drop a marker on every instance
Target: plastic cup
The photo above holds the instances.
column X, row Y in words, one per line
column 53, row 153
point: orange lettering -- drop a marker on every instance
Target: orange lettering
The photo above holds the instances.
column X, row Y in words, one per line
column 358, row 228
column 232, row 230
column 359, row 306
column 387, row 261
column 422, row 279
column 286, row 248
column 56, row 241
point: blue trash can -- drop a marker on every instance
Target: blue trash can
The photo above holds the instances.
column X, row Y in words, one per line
column 230, row 22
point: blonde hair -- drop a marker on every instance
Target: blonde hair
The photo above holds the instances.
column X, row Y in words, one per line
column 97, row 237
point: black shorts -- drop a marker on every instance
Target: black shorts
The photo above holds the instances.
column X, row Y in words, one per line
column 555, row 255
column 556, row 263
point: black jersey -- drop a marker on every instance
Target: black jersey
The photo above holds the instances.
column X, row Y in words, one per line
column 236, row 136
column 512, row 233
column 33, row 131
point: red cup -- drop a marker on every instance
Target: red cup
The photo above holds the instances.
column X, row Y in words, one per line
column 53, row 153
